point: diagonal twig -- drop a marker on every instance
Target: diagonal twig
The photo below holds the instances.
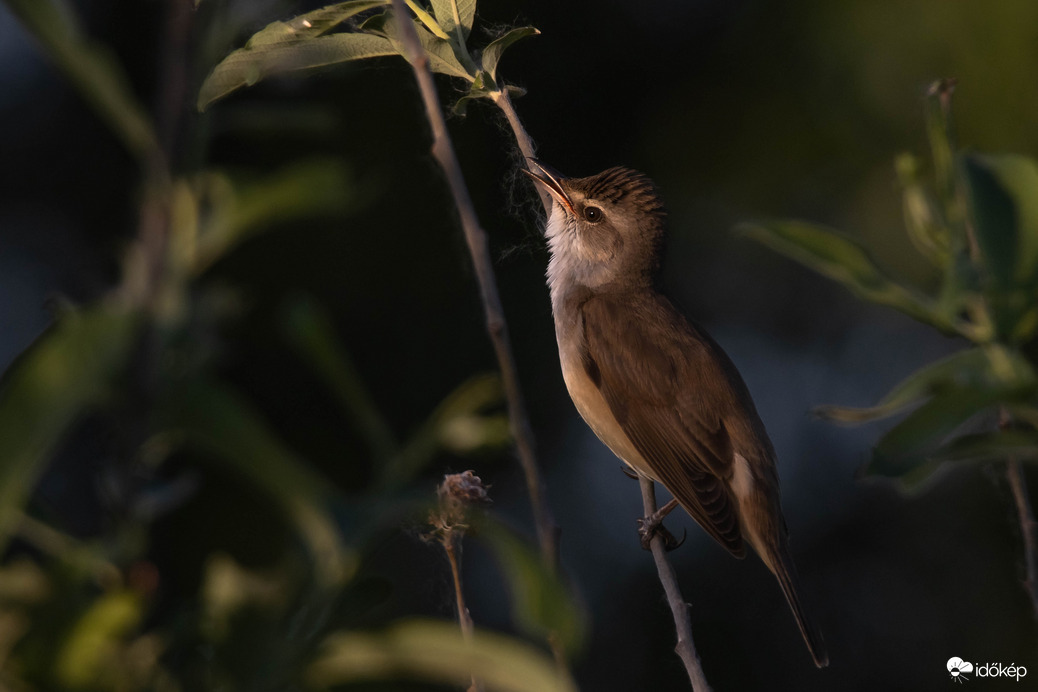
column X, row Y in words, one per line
column 476, row 238
column 685, row 648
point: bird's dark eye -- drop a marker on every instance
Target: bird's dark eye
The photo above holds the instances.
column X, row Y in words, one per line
column 593, row 214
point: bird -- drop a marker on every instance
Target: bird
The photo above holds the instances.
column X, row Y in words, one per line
column 652, row 384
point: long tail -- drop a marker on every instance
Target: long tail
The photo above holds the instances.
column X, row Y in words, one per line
column 780, row 562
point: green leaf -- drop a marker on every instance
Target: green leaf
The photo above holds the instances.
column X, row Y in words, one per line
column 975, row 369
column 542, row 604
column 492, row 53
column 454, row 13
column 69, row 370
column 87, row 652
column 1004, row 201
column 311, row 24
column 923, row 220
column 838, row 257
column 442, row 57
column 437, row 652
column 313, row 335
column 993, row 446
column 459, row 423
column 287, row 53
column 427, row 19
column 910, row 443
column 240, row 209
column 217, row 419
column 92, row 70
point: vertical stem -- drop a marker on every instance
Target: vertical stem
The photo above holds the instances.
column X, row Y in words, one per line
column 1028, row 528
column 497, row 327
column 522, row 138
column 452, row 545
column 685, row 648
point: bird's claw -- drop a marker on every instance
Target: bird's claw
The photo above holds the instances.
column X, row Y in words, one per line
column 628, row 472
column 648, row 527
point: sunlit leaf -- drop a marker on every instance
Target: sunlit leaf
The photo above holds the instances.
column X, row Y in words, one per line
column 220, row 421
column 312, row 24
column 493, row 52
column 442, row 57
column 239, row 209
column 91, row 69
column 437, row 652
column 312, row 333
column 247, row 66
column 454, row 13
column 834, row 255
column 923, row 220
column 427, row 20
column 67, row 371
column 976, row 368
column 542, row 604
column 90, row 648
column 468, row 403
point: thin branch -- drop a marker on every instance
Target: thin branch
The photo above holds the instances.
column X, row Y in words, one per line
column 452, row 547
column 1028, row 528
column 476, row 239
column 685, row 648
column 522, row 138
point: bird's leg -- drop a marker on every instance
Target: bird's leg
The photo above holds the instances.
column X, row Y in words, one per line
column 651, row 525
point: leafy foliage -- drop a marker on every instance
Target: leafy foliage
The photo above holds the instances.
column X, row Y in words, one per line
column 977, row 223
column 87, row 614
column 305, row 42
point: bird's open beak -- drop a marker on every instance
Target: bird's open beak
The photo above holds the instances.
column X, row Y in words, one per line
column 551, row 179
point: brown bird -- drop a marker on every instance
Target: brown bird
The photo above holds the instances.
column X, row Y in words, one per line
column 654, row 387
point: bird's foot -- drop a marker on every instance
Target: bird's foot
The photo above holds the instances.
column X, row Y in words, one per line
column 652, row 525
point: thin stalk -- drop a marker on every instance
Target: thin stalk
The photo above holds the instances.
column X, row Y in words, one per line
column 497, row 327
column 685, row 648
column 452, row 546
column 1028, row 528
column 522, row 138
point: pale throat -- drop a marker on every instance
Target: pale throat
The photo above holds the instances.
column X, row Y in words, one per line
column 571, row 266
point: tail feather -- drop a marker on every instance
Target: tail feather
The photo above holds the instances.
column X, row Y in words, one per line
column 781, row 564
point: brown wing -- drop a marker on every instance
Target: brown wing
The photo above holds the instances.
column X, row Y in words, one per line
column 672, row 391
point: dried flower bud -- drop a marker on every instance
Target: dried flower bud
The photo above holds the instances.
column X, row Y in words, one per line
column 457, row 493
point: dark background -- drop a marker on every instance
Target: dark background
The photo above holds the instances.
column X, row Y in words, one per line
column 738, row 110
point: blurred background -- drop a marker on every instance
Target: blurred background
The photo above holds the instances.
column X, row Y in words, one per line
column 739, row 110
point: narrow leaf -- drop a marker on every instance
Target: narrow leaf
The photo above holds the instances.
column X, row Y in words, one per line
column 437, row 652
column 1004, row 201
column 91, row 69
column 220, row 421
column 976, row 368
column 442, row 57
column 994, row 219
column 542, row 604
column 909, row 444
column 493, row 52
column 247, row 66
column 240, row 209
column 68, row 370
column 428, row 20
column 454, row 13
column 311, row 24
column 923, row 220
column 838, row 257
column 312, row 333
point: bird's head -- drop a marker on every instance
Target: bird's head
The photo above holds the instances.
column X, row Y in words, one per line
column 603, row 229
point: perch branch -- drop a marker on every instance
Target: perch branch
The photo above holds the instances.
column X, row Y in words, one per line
column 685, row 648
column 476, row 239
